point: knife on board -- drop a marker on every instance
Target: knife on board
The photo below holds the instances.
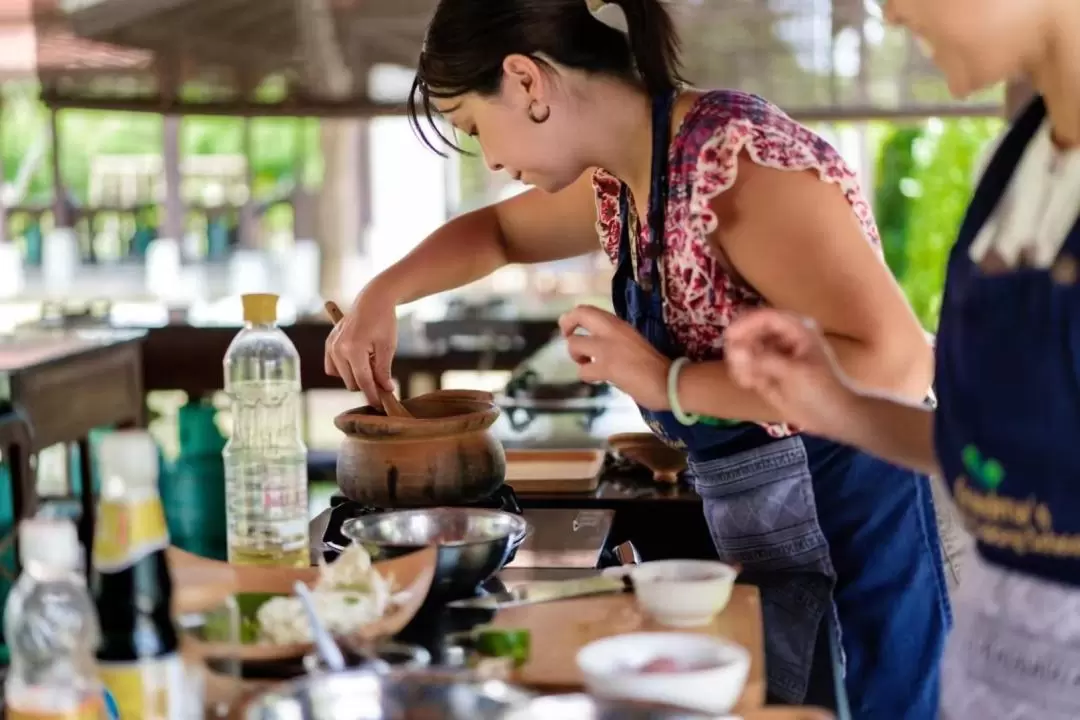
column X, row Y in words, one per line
column 532, row 593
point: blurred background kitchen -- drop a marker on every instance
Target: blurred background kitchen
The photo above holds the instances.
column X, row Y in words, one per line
column 162, row 157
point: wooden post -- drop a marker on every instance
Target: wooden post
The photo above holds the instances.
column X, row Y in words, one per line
column 249, row 222
column 344, row 201
column 3, row 204
column 302, row 201
column 62, row 211
column 172, row 226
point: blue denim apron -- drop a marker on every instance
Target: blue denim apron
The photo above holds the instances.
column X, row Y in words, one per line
column 841, row 544
column 1007, row 428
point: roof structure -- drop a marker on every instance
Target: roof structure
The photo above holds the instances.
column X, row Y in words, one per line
column 34, row 36
column 818, row 59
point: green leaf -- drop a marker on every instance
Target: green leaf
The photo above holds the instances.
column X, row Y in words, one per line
column 993, row 474
column 972, row 460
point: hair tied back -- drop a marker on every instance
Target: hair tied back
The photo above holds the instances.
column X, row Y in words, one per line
column 610, row 14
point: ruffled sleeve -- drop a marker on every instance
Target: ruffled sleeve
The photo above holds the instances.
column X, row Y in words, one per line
column 608, row 222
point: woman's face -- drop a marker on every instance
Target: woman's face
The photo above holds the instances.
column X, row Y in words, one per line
column 542, row 154
column 976, row 43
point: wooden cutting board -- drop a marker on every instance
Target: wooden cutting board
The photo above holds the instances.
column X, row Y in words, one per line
column 560, row 629
column 554, row 471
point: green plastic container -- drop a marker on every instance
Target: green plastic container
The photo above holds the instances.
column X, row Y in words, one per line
column 8, row 559
column 193, row 487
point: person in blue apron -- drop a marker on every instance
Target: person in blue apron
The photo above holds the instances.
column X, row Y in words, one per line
column 582, row 100
column 1008, row 375
column 842, row 545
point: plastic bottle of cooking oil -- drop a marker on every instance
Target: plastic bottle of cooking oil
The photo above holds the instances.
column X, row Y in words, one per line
column 265, row 459
column 52, row 629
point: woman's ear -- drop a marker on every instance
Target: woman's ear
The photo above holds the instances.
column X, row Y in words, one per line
column 524, row 80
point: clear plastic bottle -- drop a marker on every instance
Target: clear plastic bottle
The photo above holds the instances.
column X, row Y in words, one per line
column 52, row 629
column 265, row 458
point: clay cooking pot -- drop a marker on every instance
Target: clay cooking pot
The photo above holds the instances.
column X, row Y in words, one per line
column 445, row 454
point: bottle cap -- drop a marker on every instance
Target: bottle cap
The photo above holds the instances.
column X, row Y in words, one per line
column 129, row 457
column 52, row 542
column 260, row 308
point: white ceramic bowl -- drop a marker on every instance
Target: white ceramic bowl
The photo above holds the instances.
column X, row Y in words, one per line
column 682, row 593
column 612, row 668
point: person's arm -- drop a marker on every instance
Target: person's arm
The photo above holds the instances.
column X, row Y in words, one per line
column 533, row 227
column 796, row 240
column 893, row 430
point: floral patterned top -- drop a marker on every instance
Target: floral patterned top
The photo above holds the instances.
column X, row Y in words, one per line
column 700, row 297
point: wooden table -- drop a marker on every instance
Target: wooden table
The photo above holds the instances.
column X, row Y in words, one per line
column 560, row 629
column 62, row 384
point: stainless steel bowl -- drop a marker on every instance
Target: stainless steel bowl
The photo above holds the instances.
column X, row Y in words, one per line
column 474, row 544
column 585, row 707
column 397, row 696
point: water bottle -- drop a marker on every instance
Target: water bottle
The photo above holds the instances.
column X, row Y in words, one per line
column 52, row 629
column 265, row 458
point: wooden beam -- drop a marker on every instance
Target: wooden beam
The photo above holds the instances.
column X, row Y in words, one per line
column 299, row 106
column 107, row 16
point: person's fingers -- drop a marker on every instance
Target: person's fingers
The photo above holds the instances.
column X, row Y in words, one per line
column 586, row 317
column 739, row 364
column 760, row 326
column 593, row 372
column 381, row 361
column 329, row 366
column 364, row 378
column 584, row 348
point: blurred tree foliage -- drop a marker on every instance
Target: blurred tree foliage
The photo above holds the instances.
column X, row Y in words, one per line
column 894, row 189
column 85, row 134
column 947, row 158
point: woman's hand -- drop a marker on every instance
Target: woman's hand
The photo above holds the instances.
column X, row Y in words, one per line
column 787, row 361
column 613, row 351
column 360, row 347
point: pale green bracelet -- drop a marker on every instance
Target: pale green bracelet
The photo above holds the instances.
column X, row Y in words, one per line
column 673, row 393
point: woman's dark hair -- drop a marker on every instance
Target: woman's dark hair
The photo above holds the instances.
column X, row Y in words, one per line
column 468, row 40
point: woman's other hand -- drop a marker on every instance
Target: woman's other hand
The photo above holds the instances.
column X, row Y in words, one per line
column 787, row 361
column 361, row 347
column 613, row 351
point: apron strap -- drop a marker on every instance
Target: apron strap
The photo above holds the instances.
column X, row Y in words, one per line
column 648, row 271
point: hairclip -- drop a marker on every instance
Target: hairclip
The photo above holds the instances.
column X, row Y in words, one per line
column 610, row 14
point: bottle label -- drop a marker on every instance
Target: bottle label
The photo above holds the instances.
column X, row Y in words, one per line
column 91, row 709
column 149, row 689
column 128, row 530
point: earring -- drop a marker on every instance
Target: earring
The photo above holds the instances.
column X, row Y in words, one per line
column 539, row 117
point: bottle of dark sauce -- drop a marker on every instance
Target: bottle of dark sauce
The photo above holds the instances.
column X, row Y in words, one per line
column 138, row 659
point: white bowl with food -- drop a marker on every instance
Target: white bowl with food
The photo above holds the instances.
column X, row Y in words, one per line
column 682, row 593
column 696, row 672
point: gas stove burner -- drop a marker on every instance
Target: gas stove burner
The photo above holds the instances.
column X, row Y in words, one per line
column 528, row 385
column 341, row 509
column 520, row 418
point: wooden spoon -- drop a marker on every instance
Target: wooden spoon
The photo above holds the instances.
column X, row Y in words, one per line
column 391, row 405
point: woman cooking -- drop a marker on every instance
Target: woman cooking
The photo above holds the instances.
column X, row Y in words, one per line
column 709, row 204
column 1008, row 379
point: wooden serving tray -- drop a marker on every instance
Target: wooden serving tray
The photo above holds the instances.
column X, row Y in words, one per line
column 554, row 471
column 560, row 629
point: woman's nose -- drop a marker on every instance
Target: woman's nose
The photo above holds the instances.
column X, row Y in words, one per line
column 492, row 165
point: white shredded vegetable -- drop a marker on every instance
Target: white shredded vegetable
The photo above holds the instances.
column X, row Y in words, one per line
column 349, row 594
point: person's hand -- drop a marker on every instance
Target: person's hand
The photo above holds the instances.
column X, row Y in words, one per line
column 360, row 347
column 787, row 361
column 613, row 351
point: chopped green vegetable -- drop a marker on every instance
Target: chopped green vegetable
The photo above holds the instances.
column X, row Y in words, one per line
column 216, row 628
column 515, row 644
